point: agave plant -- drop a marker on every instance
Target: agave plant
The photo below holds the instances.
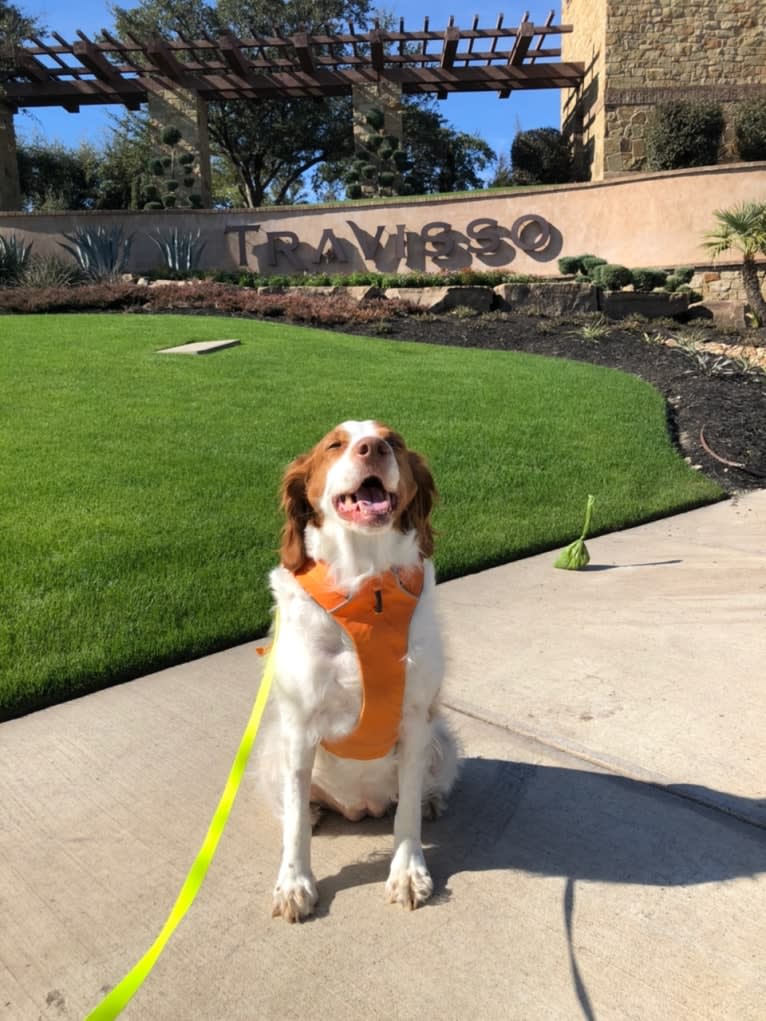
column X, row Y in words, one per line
column 180, row 249
column 101, row 252
column 743, row 228
column 14, row 256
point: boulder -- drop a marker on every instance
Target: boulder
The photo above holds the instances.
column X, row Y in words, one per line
column 443, row 299
column 652, row 304
column 547, row 299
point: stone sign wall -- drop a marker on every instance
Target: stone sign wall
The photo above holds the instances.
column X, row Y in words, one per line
column 646, row 52
column 642, row 220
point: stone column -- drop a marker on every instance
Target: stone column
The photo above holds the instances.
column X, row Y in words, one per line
column 10, row 190
column 377, row 138
column 180, row 166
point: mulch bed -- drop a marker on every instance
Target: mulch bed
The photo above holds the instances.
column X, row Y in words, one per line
column 725, row 404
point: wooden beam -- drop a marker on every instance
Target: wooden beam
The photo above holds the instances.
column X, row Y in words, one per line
column 166, row 62
column 301, row 43
column 451, row 39
column 233, row 57
column 521, row 45
column 376, row 49
column 31, row 67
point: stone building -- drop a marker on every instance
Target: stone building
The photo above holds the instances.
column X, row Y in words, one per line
column 645, row 52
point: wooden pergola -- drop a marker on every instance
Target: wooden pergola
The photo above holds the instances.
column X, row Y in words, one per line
column 303, row 65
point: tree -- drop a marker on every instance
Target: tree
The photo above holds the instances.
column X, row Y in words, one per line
column 539, row 156
column 53, row 177
column 743, row 228
column 437, row 158
column 440, row 159
column 272, row 144
column 14, row 26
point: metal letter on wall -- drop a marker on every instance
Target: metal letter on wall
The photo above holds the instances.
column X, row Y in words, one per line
column 241, row 231
column 531, row 233
column 283, row 242
column 336, row 253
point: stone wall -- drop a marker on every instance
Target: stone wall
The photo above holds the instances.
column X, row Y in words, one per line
column 654, row 51
column 639, row 220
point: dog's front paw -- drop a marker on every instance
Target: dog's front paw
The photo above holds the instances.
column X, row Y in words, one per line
column 409, row 881
column 294, row 896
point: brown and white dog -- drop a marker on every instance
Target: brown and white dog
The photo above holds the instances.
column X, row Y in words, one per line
column 358, row 512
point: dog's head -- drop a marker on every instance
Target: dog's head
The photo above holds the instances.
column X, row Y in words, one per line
column 361, row 476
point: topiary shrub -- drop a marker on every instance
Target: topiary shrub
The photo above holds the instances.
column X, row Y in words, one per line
column 750, row 130
column 590, row 263
column 684, row 273
column 646, row 280
column 683, row 134
column 186, row 159
column 171, row 185
column 169, row 201
column 170, row 136
column 368, row 171
column 195, row 201
column 569, row 265
column 375, row 118
column 157, row 168
column 386, row 178
column 189, row 181
column 614, row 277
column 541, row 156
column 355, row 191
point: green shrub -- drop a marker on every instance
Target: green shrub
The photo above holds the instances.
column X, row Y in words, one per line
column 683, row 134
column 541, row 156
column 614, row 277
column 157, row 168
column 171, row 136
column 171, row 185
column 386, row 178
column 400, row 159
column 154, row 204
column 646, row 280
column 374, row 141
column 673, row 282
column 368, row 171
column 684, row 273
column 750, row 130
column 189, row 181
column 195, row 201
column 569, row 265
column 591, row 262
column 167, row 162
column 49, row 271
column 186, row 159
column 375, row 118
column 14, row 257
column 355, row 191
column 169, row 200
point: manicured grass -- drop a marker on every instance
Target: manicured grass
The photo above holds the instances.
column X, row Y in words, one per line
column 139, row 511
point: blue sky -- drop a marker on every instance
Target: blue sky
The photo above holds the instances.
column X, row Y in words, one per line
column 495, row 119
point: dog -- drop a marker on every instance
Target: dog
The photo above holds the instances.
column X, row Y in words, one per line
column 359, row 659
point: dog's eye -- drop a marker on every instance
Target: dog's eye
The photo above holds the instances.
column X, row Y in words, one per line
column 335, row 446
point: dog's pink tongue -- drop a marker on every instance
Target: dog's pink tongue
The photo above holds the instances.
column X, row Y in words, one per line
column 374, row 497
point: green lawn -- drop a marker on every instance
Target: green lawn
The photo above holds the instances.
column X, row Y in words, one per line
column 139, row 510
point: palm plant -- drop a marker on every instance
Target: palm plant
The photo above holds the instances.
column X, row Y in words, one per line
column 743, row 228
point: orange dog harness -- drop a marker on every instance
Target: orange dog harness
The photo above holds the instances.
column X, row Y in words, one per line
column 377, row 620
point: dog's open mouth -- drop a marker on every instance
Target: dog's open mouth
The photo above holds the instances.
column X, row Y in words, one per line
column 370, row 505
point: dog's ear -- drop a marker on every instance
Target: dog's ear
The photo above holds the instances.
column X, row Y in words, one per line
column 298, row 512
column 418, row 512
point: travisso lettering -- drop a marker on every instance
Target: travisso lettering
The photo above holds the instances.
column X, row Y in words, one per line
column 440, row 242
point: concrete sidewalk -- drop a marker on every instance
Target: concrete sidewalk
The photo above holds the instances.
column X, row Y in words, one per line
column 603, row 857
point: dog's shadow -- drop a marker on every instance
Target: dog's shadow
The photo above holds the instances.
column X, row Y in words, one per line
column 573, row 823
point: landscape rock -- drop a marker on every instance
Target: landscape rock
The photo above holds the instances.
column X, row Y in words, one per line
column 549, row 299
column 653, row 305
column 443, row 299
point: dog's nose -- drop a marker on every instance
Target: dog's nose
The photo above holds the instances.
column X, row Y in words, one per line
column 370, row 448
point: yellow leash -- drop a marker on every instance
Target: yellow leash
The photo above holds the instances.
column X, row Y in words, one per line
column 120, row 996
